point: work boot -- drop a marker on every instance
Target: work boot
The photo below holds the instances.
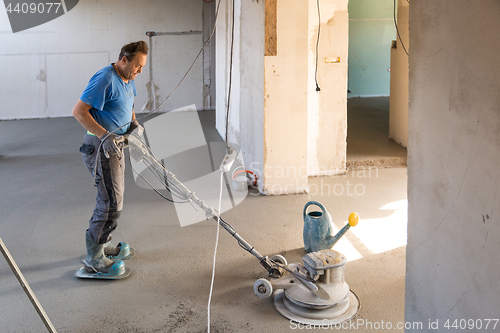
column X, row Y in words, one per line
column 96, row 261
column 122, row 251
column 111, row 250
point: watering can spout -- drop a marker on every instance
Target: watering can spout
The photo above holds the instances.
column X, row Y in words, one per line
column 318, row 228
column 352, row 222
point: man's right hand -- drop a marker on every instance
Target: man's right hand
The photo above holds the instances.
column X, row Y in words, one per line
column 108, row 144
column 135, row 126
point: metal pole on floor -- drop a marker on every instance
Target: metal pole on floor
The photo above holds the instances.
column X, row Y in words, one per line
column 150, row 34
column 26, row 287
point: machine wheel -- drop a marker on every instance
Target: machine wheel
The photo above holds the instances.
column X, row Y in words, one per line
column 279, row 259
column 263, row 288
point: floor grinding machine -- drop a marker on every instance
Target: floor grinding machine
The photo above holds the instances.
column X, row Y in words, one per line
column 313, row 292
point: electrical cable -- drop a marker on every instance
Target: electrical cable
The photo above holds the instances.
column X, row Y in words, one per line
column 162, row 178
column 318, row 89
column 254, row 182
column 143, row 178
column 215, row 251
column 158, row 192
column 397, row 30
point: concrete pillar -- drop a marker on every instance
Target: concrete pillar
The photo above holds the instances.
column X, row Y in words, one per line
column 453, row 175
column 286, row 104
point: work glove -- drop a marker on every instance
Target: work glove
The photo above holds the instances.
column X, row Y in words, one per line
column 108, row 144
column 136, row 128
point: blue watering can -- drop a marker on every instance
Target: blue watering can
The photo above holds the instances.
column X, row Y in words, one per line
column 318, row 228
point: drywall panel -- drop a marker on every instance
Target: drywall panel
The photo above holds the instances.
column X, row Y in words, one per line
column 104, row 27
column 23, row 89
column 172, row 57
column 66, row 94
column 454, row 152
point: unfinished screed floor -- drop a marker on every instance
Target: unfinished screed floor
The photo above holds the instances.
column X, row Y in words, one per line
column 47, row 197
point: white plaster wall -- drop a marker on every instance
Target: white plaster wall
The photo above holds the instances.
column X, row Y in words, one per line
column 454, row 153
column 47, row 67
column 327, row 110
column 398, row 110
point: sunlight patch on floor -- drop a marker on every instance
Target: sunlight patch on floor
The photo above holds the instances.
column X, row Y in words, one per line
column 378, row 234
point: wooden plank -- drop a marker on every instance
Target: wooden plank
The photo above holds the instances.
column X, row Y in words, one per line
column 271, row 29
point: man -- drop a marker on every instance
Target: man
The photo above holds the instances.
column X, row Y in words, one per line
column 106, row 111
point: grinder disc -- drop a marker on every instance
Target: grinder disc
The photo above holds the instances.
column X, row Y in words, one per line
column 321, row 317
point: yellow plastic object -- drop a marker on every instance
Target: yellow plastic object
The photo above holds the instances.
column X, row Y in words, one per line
column 353, row 219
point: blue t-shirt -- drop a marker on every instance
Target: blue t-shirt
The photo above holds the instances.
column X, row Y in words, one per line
column 111, row 99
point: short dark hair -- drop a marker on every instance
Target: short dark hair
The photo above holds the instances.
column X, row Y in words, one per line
column 130, row 50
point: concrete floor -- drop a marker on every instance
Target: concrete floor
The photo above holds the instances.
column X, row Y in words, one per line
column 47, row 197
column 368, row 142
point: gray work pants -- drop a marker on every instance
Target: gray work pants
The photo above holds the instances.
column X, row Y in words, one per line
column 110, row 182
